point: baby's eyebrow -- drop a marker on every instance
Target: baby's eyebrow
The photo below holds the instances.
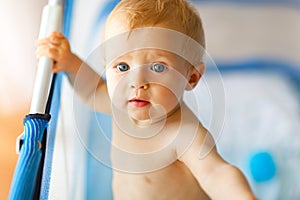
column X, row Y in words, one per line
column 124, row 57
column 150, row 56
column 165, row 58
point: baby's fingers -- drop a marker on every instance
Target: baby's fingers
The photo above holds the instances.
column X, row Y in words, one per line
column 43, row 41
column 51, row 40
column 57, row 34
column 52, row 53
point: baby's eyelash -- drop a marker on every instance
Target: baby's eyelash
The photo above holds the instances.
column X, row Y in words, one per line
column 158, row 67
column 122, row 67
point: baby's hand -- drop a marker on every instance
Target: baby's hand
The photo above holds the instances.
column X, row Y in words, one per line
column 57, row 47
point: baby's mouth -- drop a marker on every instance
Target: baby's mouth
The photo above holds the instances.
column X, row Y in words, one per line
column 139, row 102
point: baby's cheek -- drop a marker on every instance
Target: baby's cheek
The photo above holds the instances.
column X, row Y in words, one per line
column 166, row 97
column 111, row 88
column 117, row 90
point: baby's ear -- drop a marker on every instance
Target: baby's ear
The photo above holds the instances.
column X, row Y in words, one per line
column 195, row 73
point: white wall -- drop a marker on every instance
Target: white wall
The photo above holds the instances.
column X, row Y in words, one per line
column 19, row 29
column 246, row 31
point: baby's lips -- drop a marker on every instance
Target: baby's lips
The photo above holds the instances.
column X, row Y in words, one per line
column 139, row 102
column 137, row 99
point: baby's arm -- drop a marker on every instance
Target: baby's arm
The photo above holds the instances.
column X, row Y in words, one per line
column 83, row 78
column 219, row 179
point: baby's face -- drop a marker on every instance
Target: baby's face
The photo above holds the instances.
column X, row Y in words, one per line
column 144, row 79
column 147, row 84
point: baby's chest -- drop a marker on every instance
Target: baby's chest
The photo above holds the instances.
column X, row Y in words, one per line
column 172, row 182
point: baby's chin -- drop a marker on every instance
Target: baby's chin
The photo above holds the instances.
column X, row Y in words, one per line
column 146, row 121
column 142, row 123
column 149, row 116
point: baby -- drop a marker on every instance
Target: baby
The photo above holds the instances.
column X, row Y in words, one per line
column 153, row 52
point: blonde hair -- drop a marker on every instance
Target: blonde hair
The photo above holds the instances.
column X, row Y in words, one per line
column 142, row 13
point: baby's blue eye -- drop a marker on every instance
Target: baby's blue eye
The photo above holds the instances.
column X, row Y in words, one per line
column 122, row 67
column 158, row 67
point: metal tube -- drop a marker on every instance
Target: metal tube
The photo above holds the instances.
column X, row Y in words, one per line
column 52, row 19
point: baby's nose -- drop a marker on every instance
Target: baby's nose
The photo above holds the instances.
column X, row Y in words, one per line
column 139, row 78
column 143, row 86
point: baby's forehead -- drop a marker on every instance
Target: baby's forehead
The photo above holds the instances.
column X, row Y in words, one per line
column 162, row 40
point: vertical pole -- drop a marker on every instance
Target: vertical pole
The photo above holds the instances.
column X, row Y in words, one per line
column 52, row 18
